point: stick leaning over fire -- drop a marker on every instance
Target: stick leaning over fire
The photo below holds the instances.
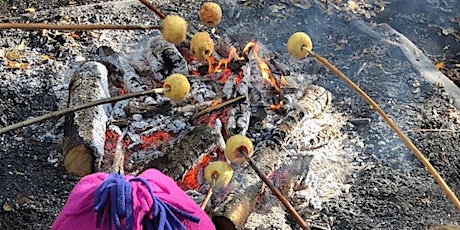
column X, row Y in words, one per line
column 42, row 26
column 299, row 46
column 175, row 87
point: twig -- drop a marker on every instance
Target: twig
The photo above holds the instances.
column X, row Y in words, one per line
column 41, row 26
column 277, row 193
column 119, row 157
column 62, row 112
column 153, row 8
column 218, row 106
column 398, row 131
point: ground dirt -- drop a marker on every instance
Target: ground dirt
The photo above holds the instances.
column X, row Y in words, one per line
column 390, row 188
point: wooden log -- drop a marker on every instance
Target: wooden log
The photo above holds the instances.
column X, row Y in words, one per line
column 158, row 58
column 84, row 131
column 233, row 210
column 186, row 152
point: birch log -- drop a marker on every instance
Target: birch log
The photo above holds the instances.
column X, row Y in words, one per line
column 84, row 131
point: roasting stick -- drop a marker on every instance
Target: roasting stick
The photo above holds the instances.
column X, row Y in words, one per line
column 153, row 8
column 59, row 113
column 41, row 26
column 390, row 122
column 218, row 106
column 209, row 192
column 276, row 192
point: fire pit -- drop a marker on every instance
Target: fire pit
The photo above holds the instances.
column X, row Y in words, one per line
column 149, row 128
column 236, row 91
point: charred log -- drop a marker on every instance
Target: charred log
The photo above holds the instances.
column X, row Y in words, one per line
column 182, row 155
column 120, row 66
column 159, row 57
column 234, row 209
column 312, row 103
column 84, row 131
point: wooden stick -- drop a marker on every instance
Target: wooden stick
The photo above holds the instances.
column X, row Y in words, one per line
column 209, row 193
column 277, row 193
column 119, row 157
column 62, row 112
column 216, row 107
column 398, row 131
column 41, row 26
column 153, row 8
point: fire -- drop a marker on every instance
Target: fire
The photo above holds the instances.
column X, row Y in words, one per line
column 265, row 71
column 232, row 55
column 222, row 67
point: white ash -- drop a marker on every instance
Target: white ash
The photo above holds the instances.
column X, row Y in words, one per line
column 118, row 111
column 150, row 100
column 200, row 92
column 311, row 184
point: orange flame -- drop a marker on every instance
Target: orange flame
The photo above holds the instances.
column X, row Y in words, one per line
column 232, row 55
column 265, row 71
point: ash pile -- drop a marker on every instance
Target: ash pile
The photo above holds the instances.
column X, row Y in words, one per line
column 240, row 89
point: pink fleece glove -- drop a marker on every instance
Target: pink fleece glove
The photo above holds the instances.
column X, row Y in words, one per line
column 79, row 211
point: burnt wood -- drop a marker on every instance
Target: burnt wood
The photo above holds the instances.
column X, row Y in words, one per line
column 187, row 151
column 234, row 208
column 84, row 131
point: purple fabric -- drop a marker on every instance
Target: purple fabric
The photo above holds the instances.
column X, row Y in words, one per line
column 79, row 211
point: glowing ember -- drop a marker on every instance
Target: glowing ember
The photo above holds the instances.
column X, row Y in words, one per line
column 210, row 119
column 156, row 139
column 193, row 178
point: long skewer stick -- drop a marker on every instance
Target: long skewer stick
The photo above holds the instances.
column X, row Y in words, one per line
column 277, row 193
column 62, row 112
column 451, row 195
column 209, row 193
column 153, row 8
column 41, row 26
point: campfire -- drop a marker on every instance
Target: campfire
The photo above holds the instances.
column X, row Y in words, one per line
column 234, row 91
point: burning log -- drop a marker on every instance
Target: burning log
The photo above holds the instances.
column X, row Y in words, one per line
column 84, row 131
column 190, row 150
column 233, row 211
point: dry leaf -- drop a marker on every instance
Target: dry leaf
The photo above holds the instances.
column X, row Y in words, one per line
column 439, row 65
column 30, row 10
column 7, row 207
column 21, row 46
column 16, row 65
column 45, row 57
column 447, row 31
column 13, row 55
column 352, row 5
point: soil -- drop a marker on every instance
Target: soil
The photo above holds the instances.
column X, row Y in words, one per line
column 390, row 189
